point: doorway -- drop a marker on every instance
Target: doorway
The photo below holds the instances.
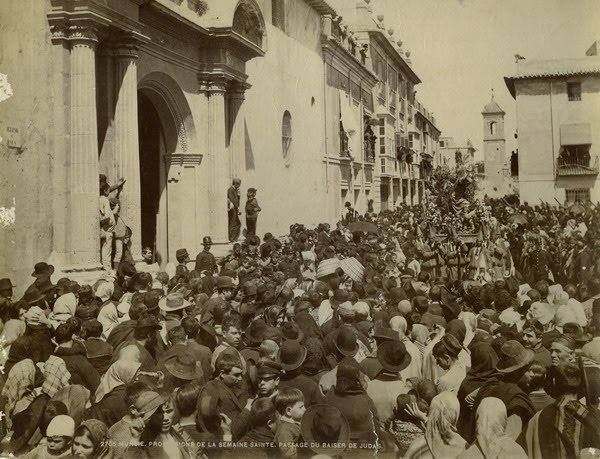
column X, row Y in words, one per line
column 152, row 182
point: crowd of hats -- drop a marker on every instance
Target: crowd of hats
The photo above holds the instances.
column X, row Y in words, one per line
column 316, row 299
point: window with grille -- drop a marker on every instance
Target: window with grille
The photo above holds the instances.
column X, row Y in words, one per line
column 382, row 136
column 383, row 165
column 574, row 91
column 578, row 195
column 278, row 14
column 286, row 134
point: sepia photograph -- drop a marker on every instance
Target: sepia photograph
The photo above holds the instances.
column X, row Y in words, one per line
column 300, row 229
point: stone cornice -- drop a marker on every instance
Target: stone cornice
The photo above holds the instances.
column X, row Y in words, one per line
column 93, row 14
column 334, row 53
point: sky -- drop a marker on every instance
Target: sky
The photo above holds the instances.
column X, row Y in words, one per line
column 461, row 49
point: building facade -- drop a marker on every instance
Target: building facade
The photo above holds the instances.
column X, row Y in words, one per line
column 179, row 97
column 452, row 154
column 558, row 116
column 405, row 133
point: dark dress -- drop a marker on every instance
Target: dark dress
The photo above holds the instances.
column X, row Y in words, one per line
column 35, row 344
column 110, row 409
column 82, row 371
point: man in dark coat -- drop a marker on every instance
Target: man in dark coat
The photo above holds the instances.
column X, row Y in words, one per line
column 292, row 355
column 233, row 205
column 227, row 387
column 97, row 350
column 206, row 260
column 74, row 355
column 252, row 210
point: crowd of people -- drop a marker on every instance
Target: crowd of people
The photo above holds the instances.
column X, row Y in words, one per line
column 382, row 337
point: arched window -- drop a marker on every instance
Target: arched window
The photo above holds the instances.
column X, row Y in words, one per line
column 286, row 134
column 493, row 127
column 248, row 22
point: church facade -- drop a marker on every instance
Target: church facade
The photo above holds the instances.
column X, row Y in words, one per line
column 178, row 97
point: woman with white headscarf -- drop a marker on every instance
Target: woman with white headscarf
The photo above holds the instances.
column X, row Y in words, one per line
column 63, row 309
column 441, row 440
column 12, row 330
column 108, row 404
column 491, row 441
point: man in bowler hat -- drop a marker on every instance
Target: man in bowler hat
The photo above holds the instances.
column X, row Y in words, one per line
column 206, row 260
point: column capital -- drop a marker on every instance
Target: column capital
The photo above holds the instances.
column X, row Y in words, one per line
column 213, row 84
column 125, row 51
column 125, row 46
column 83, row 35
column 59, row 32
column 237, row 90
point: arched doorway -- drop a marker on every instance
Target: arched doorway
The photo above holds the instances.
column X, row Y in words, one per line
column 173, row 201
column 152, row 182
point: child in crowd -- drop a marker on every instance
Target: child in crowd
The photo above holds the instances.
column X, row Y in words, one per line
column 289, row 403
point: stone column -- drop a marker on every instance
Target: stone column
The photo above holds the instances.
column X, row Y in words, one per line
column 237, row 143
column 217, row 159
column 61, row 55
column 126, row 146
column 83, row 227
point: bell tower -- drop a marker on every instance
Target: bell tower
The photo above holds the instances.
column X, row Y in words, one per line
column 494, row 146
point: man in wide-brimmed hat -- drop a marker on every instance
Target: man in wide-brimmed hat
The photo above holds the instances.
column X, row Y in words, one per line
column 291, row 356
column 173, row 303
column 326, row 430
column 180, row 368
column 343, row 344
column 385, row 387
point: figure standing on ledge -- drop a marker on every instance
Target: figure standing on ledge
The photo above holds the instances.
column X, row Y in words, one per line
column 233, row 206
column 252, row 210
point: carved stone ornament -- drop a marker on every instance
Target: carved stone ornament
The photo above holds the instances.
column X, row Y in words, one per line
column 176, row 162
column 83, row 35
column 59, row 32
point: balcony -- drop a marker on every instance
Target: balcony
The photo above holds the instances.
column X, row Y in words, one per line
column 576, row 165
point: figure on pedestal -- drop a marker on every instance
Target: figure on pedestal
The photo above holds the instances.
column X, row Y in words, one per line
column 233, row 206
column 252, row 210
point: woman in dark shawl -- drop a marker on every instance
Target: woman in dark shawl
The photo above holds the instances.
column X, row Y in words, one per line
column 483, row 367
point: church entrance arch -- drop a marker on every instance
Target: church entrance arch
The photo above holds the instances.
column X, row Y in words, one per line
column 167, row 141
